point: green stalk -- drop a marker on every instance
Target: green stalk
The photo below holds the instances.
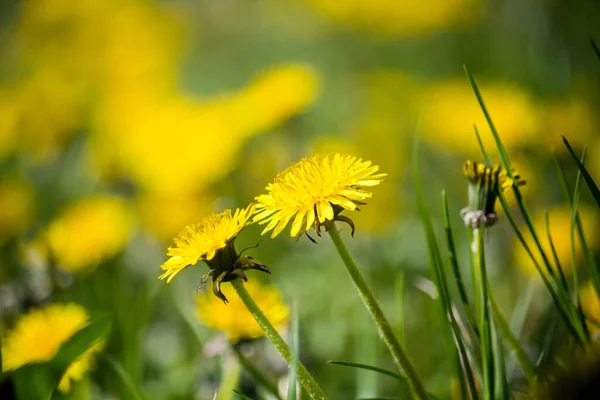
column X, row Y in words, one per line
column 383, row 326
column 485, row 333
column 306, row 380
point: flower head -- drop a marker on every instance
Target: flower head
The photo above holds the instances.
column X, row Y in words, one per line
column 212, row 241
column 234, row 319
column 39, row 334
column 90, row 231
column 314, row 191
column 485, row 185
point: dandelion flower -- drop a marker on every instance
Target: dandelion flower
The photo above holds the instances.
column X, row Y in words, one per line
column 314, row 191
column 234, row 319
column 39, row 334
column 90, row 231
column 485, row 185
column 212, row 241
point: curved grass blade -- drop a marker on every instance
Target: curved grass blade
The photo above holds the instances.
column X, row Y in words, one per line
column 595, row 47
column 256, row 374
column 584, row 172
column 450, row 329
column 561, row 297
column 241, row 395
column 370, row 368
column 134, row 390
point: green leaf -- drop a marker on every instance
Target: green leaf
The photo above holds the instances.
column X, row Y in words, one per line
column 38, row 381
column 370, row 368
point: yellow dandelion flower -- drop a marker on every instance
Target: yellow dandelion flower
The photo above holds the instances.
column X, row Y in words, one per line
column 212, row 241
column 89, row 232
column 234, row 319
column 485, row 185
column 17, row 207
column 38, row 335
column 314, row 191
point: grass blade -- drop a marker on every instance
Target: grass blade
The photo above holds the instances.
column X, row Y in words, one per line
column 560, row 296
column 586, row 175
column 256, row 374
column 595, row 47
column 294, row 359
column 134, row 390
column 241, row 395
column 370, row 368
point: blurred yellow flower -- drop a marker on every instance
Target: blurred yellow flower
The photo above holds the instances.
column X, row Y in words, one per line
column 90, row 231
column 400, row 17
column 234, row 319
column 450, row 109
column 163, row 214
column 314, row 191
column 204, row 240
column 572, row 118
column 38, row 335
column 79, row 367
column 17, row 207
column 275, row 95
column 590, row 303
column 560, row 231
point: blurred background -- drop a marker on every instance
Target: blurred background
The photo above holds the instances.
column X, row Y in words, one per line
column 123, row 121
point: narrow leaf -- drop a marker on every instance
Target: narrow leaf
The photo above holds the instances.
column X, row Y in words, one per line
column 370, row 368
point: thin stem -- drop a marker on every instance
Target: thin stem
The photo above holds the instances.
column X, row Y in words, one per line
column 383, row 326
column 306, row 380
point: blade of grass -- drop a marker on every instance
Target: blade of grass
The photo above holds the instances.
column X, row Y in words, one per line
column 370, row 368
column 586, row 175
column 399, row 297
column 294, row 359
column 258, row 376
column 571, row 320
column 590, row 262
column 561, row 274
column 451, row 332
column 135, row 392
column 512, row 341
column 595, row 47
column 241, row 395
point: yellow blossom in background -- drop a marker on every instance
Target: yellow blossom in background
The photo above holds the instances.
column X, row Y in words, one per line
column 89, row 231
column 17, row 206
column 400, row 17
column 163, row 214
column 202, row 241
column 275, row 95
column 590, row 303
column 314, row 190
column 573, row 118
column 234, row 319
column 204, row 135
column 560, row 230
column 38, row 335
column 449, row 110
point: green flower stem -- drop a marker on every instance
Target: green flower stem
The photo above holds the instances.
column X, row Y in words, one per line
column 306, row 380
column 383, row 326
